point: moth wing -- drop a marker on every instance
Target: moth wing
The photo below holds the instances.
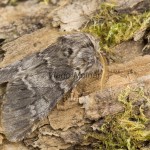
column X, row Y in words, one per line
column 8, row 72
column 31, row 97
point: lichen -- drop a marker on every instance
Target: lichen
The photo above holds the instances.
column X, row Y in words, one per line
column 112, row 28
column 126, row 130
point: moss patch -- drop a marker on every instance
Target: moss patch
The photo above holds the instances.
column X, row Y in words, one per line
column 127, row 130
column 113, row 28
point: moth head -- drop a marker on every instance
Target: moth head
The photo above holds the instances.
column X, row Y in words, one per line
column 82, row 49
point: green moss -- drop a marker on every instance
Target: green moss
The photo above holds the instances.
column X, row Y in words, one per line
column 113, row 28
column 46, row 1
column 127, row 130
column 12, row 2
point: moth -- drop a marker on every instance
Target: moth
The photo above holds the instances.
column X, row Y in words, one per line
column 36, row 83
